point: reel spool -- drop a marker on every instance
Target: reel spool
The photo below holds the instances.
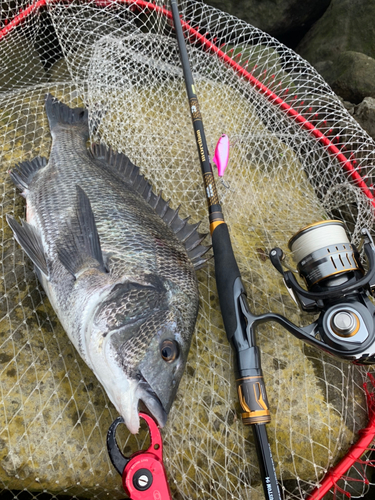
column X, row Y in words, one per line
column 324, row 254
column 337, row 287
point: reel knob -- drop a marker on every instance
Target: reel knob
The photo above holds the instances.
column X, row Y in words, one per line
column 347, row 326
column 345, row 323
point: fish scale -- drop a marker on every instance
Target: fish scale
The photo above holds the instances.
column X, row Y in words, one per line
column 112, row 264
column 57, row 196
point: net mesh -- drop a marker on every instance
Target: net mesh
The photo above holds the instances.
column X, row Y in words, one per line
column 120, row 59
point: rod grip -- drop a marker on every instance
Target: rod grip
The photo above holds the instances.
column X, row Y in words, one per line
column 226, row 273
column 237, row 321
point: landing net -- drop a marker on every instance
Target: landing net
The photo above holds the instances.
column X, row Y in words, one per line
column 296, row 157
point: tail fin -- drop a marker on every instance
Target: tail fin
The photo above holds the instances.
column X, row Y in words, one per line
column 60, row 114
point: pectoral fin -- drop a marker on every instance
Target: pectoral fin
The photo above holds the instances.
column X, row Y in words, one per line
column 83, row 250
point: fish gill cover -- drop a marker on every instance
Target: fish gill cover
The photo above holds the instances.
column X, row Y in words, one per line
column 121, row 61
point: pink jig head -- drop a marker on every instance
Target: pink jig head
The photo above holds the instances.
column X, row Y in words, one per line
column 221, row 155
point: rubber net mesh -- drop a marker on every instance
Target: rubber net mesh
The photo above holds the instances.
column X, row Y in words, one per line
column 120, row 59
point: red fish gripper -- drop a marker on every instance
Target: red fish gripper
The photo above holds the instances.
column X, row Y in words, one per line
column 143, row 473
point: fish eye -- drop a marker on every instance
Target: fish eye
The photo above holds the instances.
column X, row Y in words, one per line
column 169, row 350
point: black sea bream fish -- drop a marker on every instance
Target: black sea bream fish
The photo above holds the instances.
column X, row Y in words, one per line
column 116, row 262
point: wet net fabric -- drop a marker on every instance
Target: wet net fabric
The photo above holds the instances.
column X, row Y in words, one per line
column 120, row 59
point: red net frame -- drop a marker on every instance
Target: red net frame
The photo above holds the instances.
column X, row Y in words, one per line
column 308, row 119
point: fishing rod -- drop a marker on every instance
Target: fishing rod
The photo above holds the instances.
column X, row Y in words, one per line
column 338, row 288
column 237, row 318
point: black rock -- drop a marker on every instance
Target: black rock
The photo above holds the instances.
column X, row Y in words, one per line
column 284, row 19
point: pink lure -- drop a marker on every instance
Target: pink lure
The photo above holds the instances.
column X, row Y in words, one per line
column 221, row 155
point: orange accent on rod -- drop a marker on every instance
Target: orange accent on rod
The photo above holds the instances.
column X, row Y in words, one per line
column 259, row 399
column 214, row 225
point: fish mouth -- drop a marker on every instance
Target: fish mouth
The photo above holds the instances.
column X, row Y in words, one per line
column 151, row 401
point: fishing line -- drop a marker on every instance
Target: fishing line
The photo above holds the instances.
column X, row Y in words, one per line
column 315, row 237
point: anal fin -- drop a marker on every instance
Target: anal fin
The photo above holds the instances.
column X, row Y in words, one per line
column 23, row 173
column 29, row 239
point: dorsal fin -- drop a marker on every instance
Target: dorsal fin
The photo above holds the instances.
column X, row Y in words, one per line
column 122, row 168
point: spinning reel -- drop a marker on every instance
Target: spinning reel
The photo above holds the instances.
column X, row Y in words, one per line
column 337, row 287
